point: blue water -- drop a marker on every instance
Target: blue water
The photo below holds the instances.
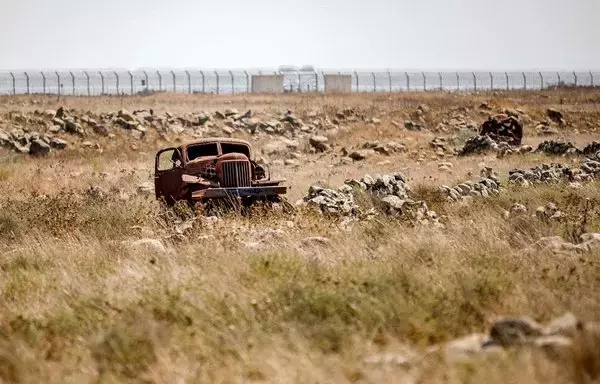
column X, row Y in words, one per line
column 224, row 82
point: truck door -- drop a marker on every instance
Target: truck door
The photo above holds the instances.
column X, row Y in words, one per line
column 168, row 170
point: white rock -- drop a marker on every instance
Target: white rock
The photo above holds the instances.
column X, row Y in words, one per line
column 145, row 245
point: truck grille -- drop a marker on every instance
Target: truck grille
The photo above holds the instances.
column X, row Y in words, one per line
column 235, row 174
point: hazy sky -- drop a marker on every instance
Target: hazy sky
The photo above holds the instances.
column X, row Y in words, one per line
column 400, row 34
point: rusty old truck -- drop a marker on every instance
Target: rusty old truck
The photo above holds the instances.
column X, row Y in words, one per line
column 214, row 169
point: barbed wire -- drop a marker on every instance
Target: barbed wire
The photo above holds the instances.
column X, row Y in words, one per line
column 119, row 82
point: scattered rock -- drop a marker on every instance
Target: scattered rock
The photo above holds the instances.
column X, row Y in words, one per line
column 478, row 144
column 557, row 244
column 412, row 126
column 145, row 245
column 592, row 148
column 565, row 325
column 126, row 115
column 552, row 147
column 388, row 192
column 62, row 112
column 465, row 346
column 100, row 130
column 358, row 155
column 518, row 209
column 487, row 186
column 58, row 143
column 515, row 331
column 556, row 116
column 319, row 143
column 316, row 240
column 39, row 147
column 545, row 173
column 73, row 127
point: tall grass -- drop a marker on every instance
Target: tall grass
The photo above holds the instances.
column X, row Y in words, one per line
column 257, row 298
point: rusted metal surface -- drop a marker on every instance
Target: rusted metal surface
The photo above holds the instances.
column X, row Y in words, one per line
column 212, row 168
column 213, row 193
column 508, row 130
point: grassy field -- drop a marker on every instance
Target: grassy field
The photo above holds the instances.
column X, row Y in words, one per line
column 286, row 298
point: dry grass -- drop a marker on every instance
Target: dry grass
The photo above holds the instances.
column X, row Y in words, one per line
column 248, row 299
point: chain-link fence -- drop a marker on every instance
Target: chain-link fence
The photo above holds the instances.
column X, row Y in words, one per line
column 93, row 83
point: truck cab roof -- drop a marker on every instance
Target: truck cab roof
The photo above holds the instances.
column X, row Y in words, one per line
column 223, row 145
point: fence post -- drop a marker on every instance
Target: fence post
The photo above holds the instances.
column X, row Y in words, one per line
column 217, row 74
column 541, row 81
column 203, row 83
column 407, row 81
column 390, row 80
column 87, row 78
column 174, row 81
column 524, row 81
column 102, row 81
column 491, row 81
column 316, row 82
column 117, row 77
column 592, row 79
column 374, row 82
column 14, row 84
column 248, row 81
column 72, row 82
column 441, row 81
column 424, row 81
column 130, row 81
column 507, row 82
column 44, row 82
column 457, row 81
column 27, row 79
column 159, row 81
column 559, row 79
column 474, row 82
column 58, row 82
column 575, row 77
column 232, row 82
column 356, row 81
column 146, row 78
column 189, row 81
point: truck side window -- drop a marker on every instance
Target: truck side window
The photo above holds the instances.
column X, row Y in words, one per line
column 166, row 159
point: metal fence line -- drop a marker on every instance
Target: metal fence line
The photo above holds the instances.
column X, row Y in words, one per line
column 110, row 82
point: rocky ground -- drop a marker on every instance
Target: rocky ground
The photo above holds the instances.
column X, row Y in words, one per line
column 418, row 251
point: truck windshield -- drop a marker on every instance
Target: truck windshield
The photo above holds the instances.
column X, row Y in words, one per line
column 235, row 148
column 196, row 151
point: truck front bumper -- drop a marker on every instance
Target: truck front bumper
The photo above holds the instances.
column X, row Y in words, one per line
column 215, row 193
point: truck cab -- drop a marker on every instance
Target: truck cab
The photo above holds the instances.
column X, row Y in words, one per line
column 212, row 168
